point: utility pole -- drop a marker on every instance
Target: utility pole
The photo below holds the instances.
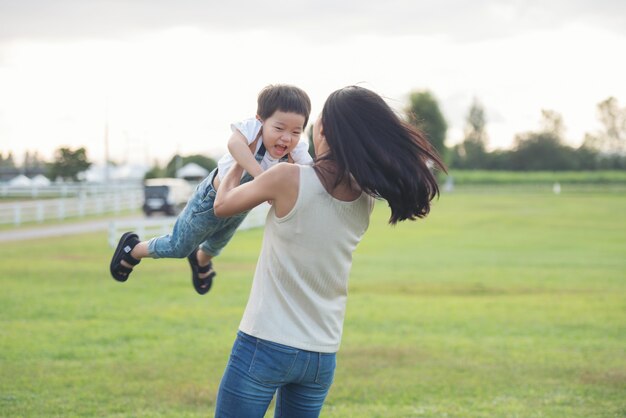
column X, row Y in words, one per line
column 106, row 142
column 179, row 160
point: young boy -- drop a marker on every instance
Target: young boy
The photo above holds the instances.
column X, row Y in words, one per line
column 256, row 144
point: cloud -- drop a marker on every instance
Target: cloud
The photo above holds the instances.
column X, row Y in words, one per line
column 313, row 19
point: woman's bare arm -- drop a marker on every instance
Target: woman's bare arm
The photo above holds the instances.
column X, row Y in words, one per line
column 279, row 184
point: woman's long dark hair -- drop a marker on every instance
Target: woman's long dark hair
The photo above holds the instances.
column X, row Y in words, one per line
column 387, row 157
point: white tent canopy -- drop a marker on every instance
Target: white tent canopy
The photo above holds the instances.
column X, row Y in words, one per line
column 192, row 170
column 20, row 181
column 99, row 173
column 40, row 180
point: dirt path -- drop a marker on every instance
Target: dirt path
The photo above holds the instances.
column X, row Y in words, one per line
column 78, row 227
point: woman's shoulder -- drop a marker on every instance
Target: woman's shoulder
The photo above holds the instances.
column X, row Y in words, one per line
column 293, row 175
column 283, row 172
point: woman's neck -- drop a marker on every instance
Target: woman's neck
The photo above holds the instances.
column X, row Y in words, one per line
column 341, row 186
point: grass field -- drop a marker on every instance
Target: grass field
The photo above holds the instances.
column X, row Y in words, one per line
column 507, row 178
column 504, row 305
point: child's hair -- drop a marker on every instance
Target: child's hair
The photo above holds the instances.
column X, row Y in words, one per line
column 285, row 98
column 387, row 157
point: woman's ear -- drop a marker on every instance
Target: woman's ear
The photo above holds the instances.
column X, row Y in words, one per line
column 259, row 118
column 321, row 133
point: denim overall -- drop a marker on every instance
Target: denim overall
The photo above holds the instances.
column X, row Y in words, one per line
column 197, row 225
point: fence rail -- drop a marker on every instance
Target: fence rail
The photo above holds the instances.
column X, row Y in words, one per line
column 17, row 213
column 67, row 190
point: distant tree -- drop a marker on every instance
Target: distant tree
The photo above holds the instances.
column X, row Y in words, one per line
column 588, row 157
column 32, row 161
column 423, row 112
column 592, row 157
column 592, row 141
column 475, row 124
column 472, row 153
column 68, row 163
column 156, row 171
column 27, row 163
column 175, row 164
column 7, row 161
column 552, row 123
column 178, row 162
column 499, row 160
column 201, row 160
column 544, row 150
column 612, row 139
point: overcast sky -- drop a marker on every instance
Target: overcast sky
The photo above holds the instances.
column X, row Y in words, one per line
column 171, row 76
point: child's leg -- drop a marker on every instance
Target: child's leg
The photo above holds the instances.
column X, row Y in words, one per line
column 203, row 260
column 200, row 260
column 138, row 252
column 202, row 273
column 213, row 245
column 193, row 225
column 179, row 244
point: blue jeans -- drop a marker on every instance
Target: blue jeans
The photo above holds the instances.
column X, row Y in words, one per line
column 258, row 368
column 197, row 225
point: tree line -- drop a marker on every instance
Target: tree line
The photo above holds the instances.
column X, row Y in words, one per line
column 67, row 165
column 543, row 149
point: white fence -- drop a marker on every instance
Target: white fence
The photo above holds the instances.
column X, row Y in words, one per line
column 68, row 190
column 153, row 227
column 17, row 213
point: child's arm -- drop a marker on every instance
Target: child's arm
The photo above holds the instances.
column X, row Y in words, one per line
column 240, row 150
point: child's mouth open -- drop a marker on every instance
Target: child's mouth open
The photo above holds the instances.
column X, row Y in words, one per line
column 280, row 149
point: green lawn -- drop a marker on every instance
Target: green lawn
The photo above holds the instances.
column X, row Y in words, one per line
column 602, row 178
column 496, row 305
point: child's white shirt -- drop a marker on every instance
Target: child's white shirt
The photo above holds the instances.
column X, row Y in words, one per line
column 250, row 128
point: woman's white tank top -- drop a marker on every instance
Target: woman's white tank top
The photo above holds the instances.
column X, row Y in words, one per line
column 298, row 295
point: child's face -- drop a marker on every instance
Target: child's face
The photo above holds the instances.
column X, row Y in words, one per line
column 281, row 132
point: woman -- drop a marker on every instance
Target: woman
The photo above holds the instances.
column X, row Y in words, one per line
column 292, row 326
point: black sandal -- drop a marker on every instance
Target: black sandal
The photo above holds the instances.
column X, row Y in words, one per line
column 122, row 252
column 202, row 285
